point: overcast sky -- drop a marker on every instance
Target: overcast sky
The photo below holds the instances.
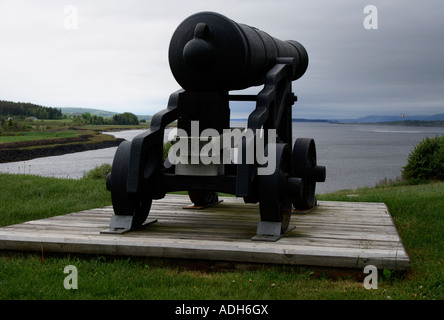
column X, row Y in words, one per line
column 116, row 57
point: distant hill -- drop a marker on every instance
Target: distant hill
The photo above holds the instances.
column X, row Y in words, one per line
column 144, row 117
column 393, row 118
column 372, row 119
column 71, row 112
column 309, row 120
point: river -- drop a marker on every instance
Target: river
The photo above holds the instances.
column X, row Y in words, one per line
column 355, row 155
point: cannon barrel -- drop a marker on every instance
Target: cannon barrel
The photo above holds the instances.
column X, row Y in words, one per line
column 209, row 52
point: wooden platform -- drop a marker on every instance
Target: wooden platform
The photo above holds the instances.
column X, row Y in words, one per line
column 334, row 234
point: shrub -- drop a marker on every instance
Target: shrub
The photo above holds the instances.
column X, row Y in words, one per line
column 99, row 172
column 126, row 118
column 426, row 161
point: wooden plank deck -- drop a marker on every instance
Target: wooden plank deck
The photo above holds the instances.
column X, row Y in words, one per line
column 334, row 234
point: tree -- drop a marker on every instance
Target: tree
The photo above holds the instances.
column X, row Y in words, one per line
column 9, row 108
column 126, row 118
column 87, row 117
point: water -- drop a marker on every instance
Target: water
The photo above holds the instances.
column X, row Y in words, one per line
column 355, row 155
column 72, row 165
column 362, row 155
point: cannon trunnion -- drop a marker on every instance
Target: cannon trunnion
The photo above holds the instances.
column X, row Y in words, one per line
column 211, row 55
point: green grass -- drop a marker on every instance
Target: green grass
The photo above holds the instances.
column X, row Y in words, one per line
column 418, row 213
column 26, row 197
column 34, row 135
column 63, row 128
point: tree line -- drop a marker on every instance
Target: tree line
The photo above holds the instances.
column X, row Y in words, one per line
column 24, row 110
column 126, row 118
column 20, row 109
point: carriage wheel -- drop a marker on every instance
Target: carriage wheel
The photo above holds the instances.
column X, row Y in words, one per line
column 124, row 203
column 305, row 167
column 274, row 200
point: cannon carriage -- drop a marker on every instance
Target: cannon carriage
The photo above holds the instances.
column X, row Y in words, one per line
column 210, row 56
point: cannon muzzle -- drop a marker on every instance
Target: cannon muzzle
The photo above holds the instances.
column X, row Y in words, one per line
column 209, row 52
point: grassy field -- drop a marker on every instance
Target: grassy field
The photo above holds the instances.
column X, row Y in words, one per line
column 56, row 129
column 417, row 210
column 38, row 135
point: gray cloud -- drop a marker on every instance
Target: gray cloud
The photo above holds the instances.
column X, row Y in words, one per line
column 117, row 58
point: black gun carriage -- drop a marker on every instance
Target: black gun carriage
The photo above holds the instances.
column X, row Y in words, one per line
column 211, row 55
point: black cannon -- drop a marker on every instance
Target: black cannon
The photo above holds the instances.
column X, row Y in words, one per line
column 211, row 55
